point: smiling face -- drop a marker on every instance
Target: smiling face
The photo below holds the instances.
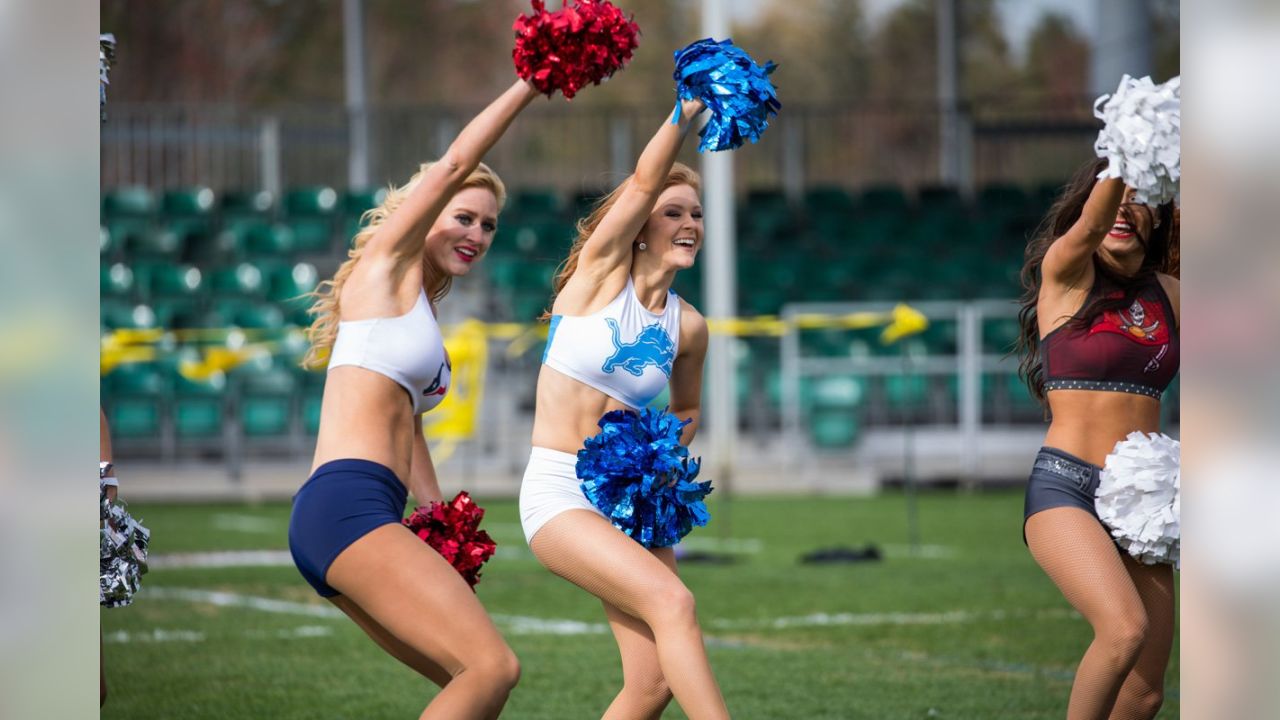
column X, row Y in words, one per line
column 463, row 232
column 1134, row 220
column 674, row 230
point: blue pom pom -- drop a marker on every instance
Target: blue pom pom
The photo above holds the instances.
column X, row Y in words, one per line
column 734, row 88
column 640, row 476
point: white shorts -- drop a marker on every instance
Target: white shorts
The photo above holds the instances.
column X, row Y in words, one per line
column 550, row 487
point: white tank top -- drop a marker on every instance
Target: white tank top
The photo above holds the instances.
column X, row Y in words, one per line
column 407, row 348
column 623, row 350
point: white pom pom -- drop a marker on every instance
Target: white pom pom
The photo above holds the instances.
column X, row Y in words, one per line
column 1140, row 497
column 1142, row 137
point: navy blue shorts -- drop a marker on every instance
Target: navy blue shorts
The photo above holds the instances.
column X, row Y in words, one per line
column 1060, row 479
column 342, row 502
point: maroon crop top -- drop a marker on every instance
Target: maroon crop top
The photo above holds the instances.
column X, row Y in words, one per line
column 1134, row 350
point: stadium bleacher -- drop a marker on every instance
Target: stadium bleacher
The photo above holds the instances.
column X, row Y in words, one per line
column 189, row 260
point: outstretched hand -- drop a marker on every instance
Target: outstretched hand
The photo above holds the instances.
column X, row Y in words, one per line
column 689, row 109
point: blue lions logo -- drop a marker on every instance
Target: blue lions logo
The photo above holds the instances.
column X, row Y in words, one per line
column 652, row 346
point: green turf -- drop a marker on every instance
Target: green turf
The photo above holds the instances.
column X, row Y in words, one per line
column 980, row 631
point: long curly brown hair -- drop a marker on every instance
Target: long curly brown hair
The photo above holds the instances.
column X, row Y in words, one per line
column 680, row 174
column 1161, row 256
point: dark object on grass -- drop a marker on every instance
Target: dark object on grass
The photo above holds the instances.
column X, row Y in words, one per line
column 869, row 553
column 702, row 557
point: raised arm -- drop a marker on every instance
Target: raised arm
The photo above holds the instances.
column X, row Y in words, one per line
column 1068, row 257
column 686, row 373
column 609, row 247
column 401, row 235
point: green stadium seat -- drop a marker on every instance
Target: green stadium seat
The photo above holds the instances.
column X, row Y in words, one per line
column 828, row 200
column 312, row 235
column 831, row 429
column 503, row 272
column 248, row 204
column 183, row 314
column 289, row 282
column 309, row 407
column 354, row 204
column 582, row 202
column 128, row 202
column 188, row 214
column 266, row 401
column 1020, row 399
column 759, row 225
column 941, row 337
column 172, row 281
column 906, row 392
column 535, row 278
column 243, row 280
column 825, row 342
column 1002, row 199
column 135, row 394
column 290, row 286
column 833, row 415
column 763, row 301
column 532, row 203
column 188, row 202
column 838, row 391
column 140, row 239
column 116, row 281
column 107, row 245
column 263, row 240
column 199, row 406
column 117, row 315
column 528, row 306
column 311, row 202
column 883, row 200
column 1046, row 194
column 939, row 201
column 254, row 316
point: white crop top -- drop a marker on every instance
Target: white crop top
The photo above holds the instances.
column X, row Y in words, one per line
column 623, row 350
column 407, row 348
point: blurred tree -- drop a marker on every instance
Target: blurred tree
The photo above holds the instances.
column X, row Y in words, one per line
column 1166, row 23
column 268, row 52
column 1057, row 73
column 821, row 44
column 903, row 55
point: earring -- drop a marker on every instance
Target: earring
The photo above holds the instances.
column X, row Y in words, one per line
column 643, row 246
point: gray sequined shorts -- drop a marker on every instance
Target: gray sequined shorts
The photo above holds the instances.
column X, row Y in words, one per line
column 1060, row 479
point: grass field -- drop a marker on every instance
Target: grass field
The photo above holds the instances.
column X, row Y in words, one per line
column 967, row 628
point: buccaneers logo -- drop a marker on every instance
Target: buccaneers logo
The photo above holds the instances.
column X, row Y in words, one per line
column 1134, row 321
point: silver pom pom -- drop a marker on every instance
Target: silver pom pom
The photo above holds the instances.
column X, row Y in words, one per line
column 123, row 558
column 1142, row 137
column 106, row 56
column 1140, row 497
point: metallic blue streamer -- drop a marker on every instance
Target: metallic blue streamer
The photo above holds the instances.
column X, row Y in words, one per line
column 734, row 88
column 640, row 476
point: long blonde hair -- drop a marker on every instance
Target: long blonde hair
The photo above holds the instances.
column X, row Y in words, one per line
column 680, row 174
column 324, row 328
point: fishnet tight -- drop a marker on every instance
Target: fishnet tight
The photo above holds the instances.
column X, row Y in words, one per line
column 1129, row 605
column 649, row 608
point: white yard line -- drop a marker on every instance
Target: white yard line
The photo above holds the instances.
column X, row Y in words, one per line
column 527, row 625
column 250, row 602
column 239, row 522
column 222, row 559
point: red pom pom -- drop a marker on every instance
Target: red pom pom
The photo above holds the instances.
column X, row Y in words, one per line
column 452, row 529
column 580, row 44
